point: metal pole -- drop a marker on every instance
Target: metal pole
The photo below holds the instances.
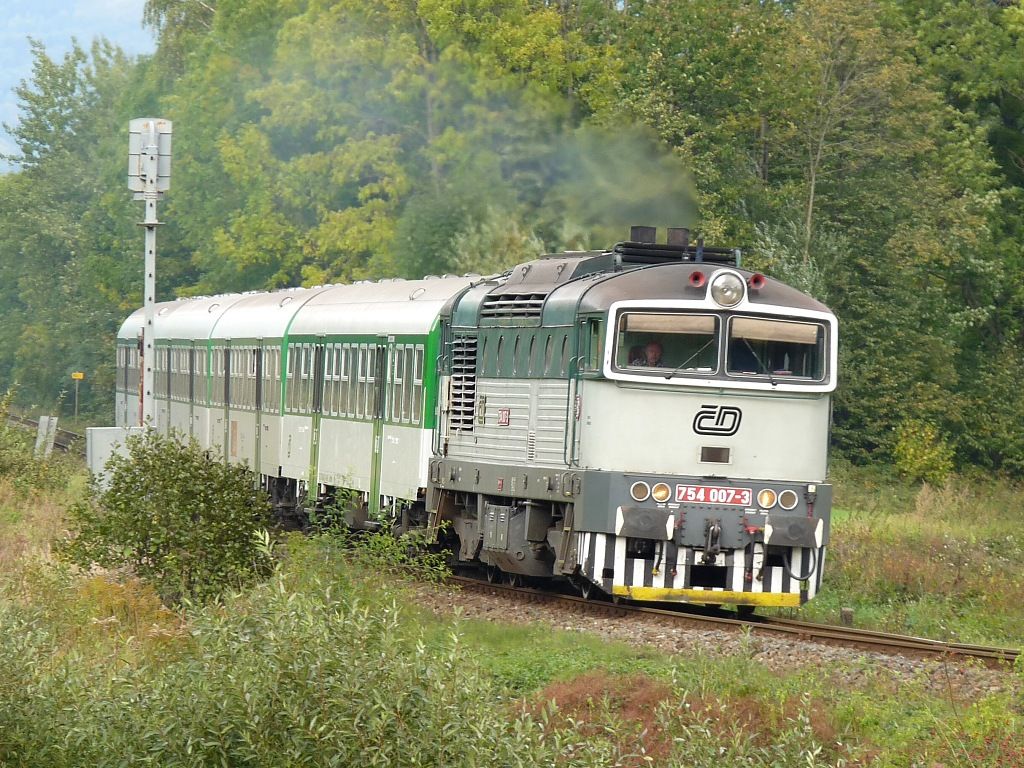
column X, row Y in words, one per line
column 76, row 399
column 150, row 153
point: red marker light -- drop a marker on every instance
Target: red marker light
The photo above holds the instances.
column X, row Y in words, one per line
column 697, row 279
column 756, row 281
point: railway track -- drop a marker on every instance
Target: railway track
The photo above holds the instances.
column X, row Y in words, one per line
column 64, row 440
column 861, row 639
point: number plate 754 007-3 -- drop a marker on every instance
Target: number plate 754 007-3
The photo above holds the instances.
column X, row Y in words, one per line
column 714, row 494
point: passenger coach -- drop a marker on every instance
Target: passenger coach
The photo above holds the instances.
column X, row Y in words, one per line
column 650, row 422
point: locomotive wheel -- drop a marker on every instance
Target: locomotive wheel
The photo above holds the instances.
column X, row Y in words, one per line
column 514, row 579
column 492, row 574
column 745, row 611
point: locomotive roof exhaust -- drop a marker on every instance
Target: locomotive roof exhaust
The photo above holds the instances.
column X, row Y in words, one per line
column 679, row 236
column 649, row 235
column 640, row 234
column 643, row 248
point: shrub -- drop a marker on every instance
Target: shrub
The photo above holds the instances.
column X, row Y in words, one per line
column 187, row 523
column 922, row 453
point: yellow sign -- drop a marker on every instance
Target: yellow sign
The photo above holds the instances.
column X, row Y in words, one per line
column 78, row 375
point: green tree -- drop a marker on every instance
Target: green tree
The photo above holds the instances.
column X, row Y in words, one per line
column 61, row 238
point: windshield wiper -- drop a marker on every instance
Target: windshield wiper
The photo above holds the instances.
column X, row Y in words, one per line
column 685, row 362
column 760, row 362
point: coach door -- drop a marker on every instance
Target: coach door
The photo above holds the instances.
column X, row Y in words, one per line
column 319, row 355
column 378, row 354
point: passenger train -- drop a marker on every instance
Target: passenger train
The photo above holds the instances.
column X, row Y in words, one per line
column 650, row 422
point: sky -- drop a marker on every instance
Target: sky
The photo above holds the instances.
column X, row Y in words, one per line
column 54, row 23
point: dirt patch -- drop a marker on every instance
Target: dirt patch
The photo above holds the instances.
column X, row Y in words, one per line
column 623, row 708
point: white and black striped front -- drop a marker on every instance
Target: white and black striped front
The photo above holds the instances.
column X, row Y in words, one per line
column 668, row 575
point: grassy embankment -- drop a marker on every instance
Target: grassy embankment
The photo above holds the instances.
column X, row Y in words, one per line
column 326, row 664
column 945, row 563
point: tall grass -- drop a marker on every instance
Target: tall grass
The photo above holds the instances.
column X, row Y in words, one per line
column 945, row 562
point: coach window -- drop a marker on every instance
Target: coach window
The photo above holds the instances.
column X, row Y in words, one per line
column 332, row 384
column 159, row 372
column 370, row 406
column 358, row 357
column 271, row 370
column 360, row 383
column 327, row 386
column 199, row 375
column 564, row 366
column 295, row 377
column 342, row 380
column 347, row 379
column 233, row 361
column 407, row 390
column 291, row 363
column 172, row 390
column 241, row 360
column 172, row 370
column 498, row 362
column 355, row 371
column 309, row 374
column 250, row 378
column 776, row 348
column 330, row 379
column 179, row 384
column 397, row 381
column 417, row 389
column 549, row 353
column 217, row 377
column 235, row 392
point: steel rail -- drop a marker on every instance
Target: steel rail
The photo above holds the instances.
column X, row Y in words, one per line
column 903, row 645
column 63, row 440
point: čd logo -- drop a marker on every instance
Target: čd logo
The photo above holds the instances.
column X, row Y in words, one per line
column 721, row 420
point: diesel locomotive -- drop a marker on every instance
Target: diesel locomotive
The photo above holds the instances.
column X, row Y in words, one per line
column 650, row 422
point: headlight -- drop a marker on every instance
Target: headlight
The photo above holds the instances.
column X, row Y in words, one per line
column 727, row 289
column 766, row 498
column 661, row 492
column 788, row 499
column 639, row 490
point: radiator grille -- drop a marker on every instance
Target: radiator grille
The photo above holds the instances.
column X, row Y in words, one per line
column 463, row 386
column 513, row 306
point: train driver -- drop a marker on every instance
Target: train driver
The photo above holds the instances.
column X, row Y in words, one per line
column 651, row 357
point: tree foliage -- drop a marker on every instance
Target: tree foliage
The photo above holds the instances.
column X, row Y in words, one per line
column 867, row 151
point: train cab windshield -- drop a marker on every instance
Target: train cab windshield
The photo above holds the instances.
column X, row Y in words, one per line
column 760, row 347
column 684, row 344
column 668, row 341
